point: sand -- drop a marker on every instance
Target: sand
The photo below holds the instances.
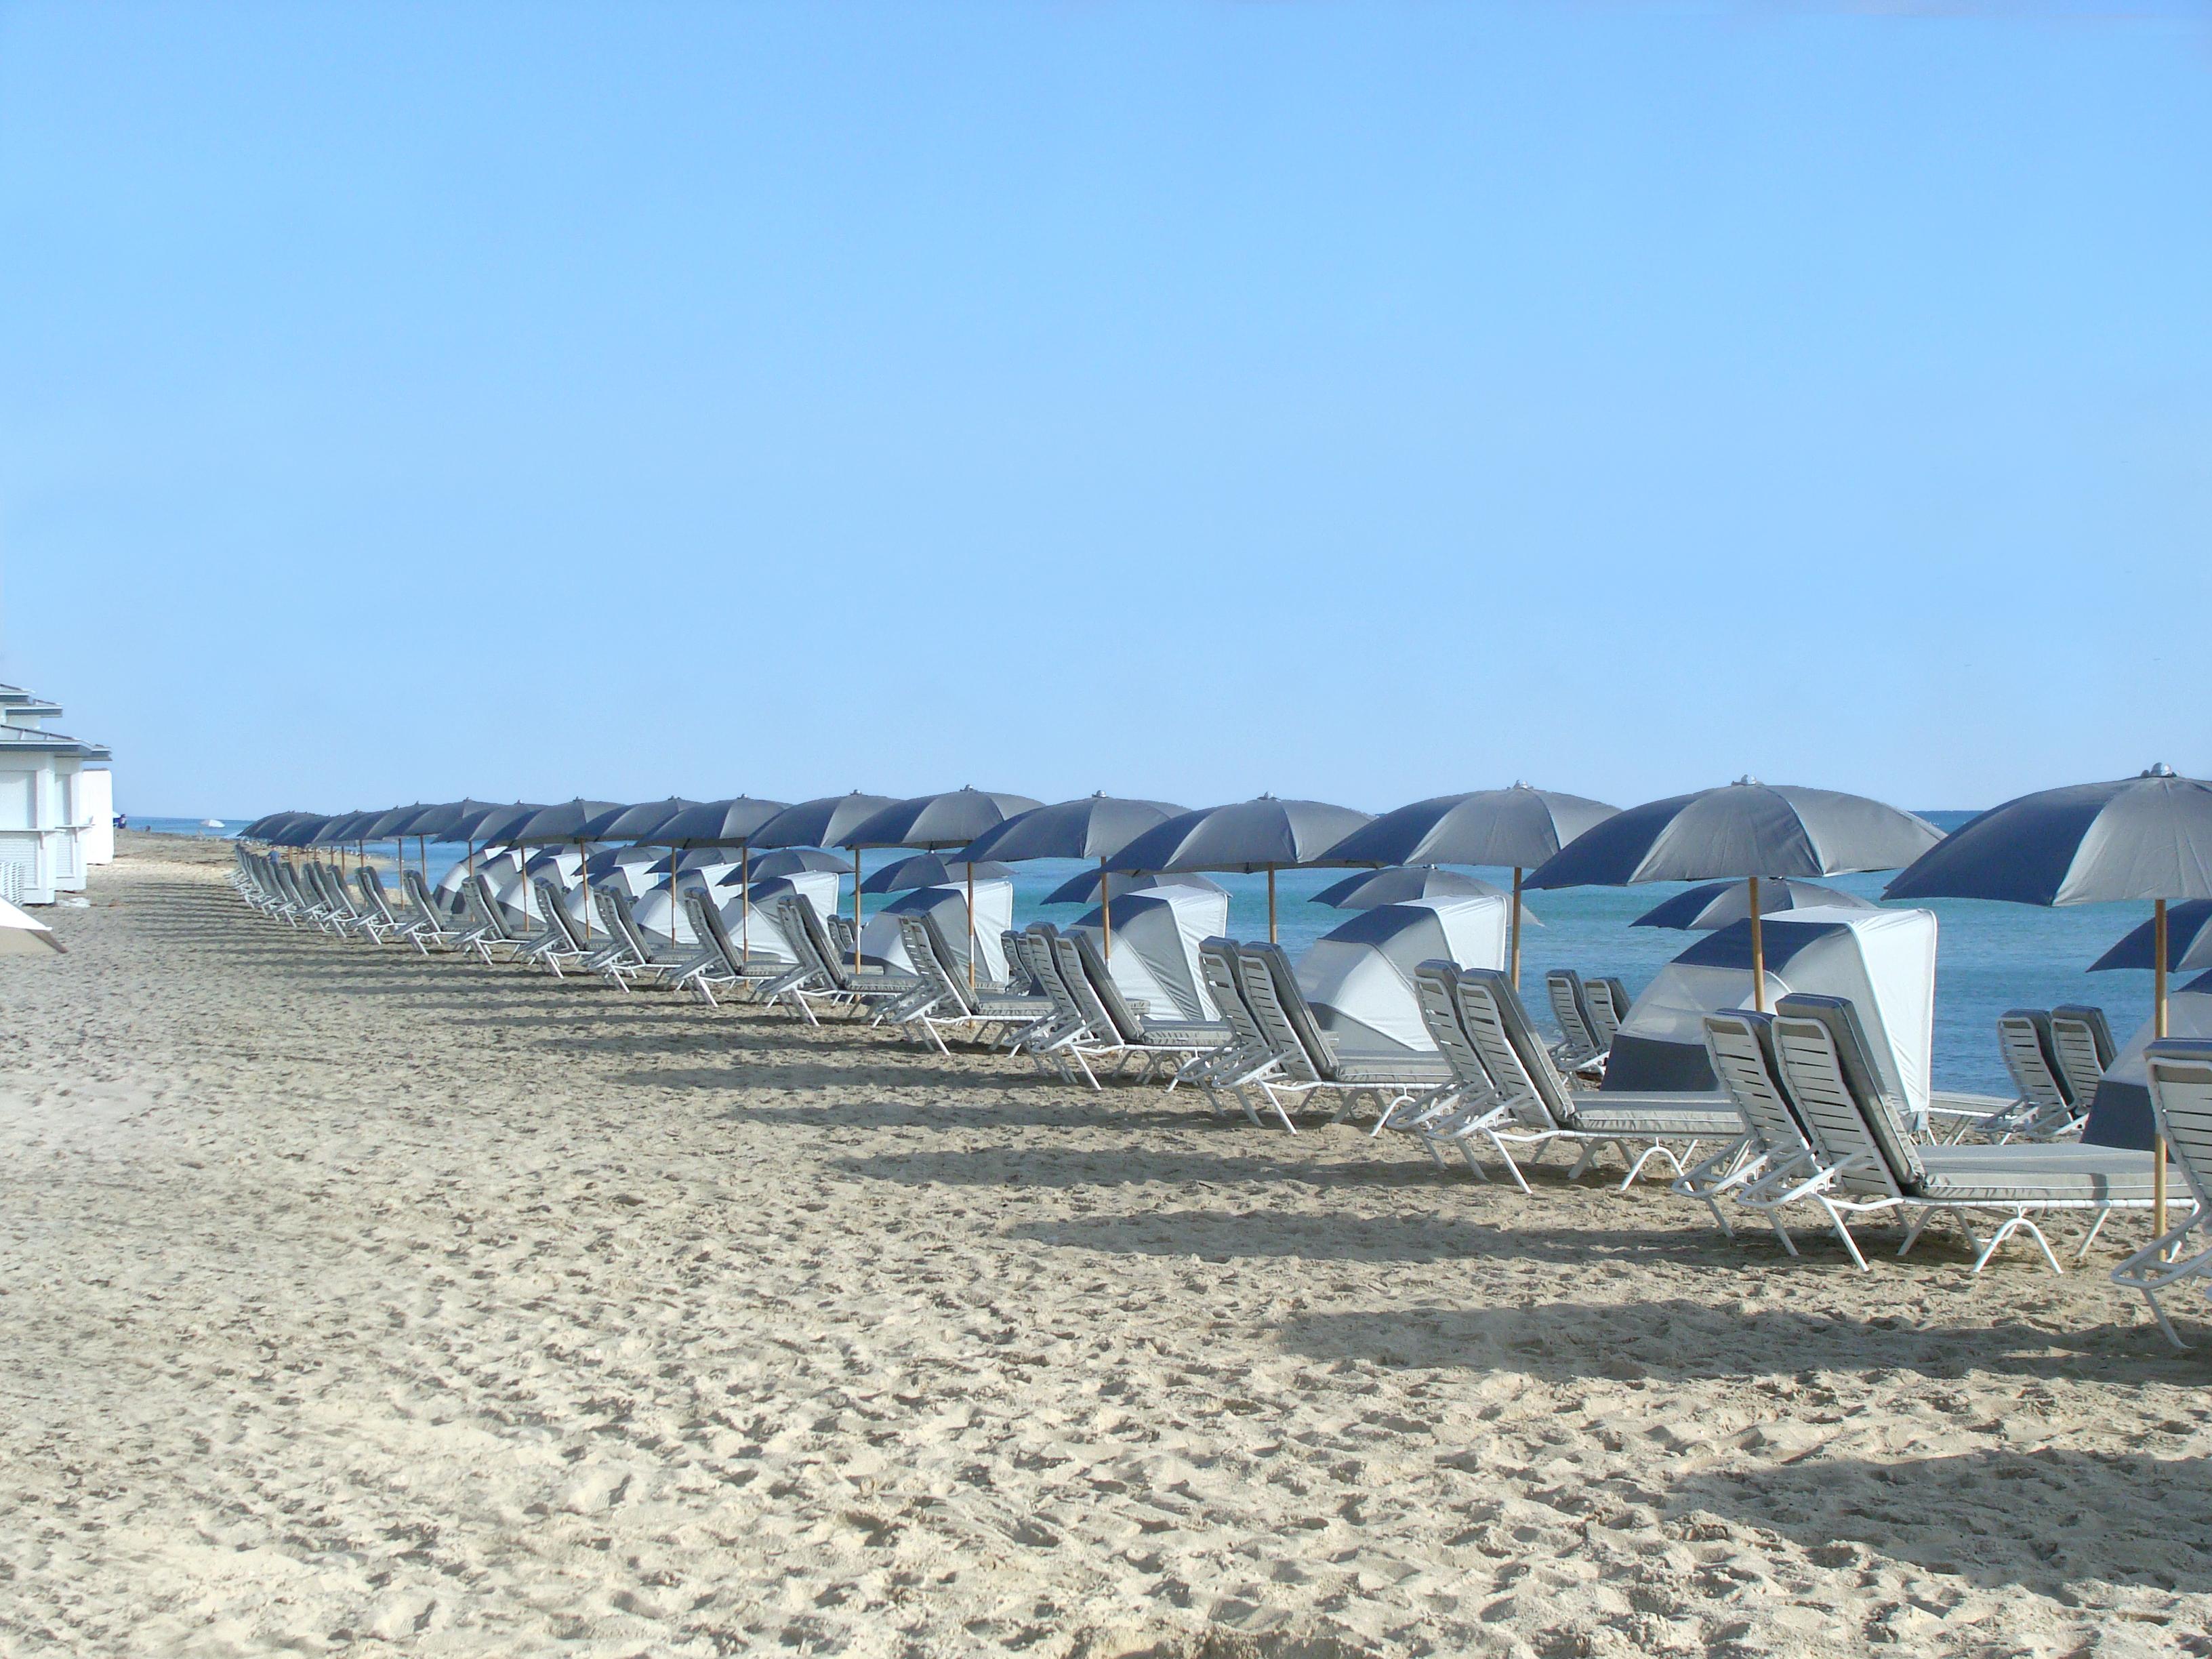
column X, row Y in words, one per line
column 358, row 1303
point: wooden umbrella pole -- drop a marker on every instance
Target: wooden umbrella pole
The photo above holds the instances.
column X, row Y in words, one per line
column 584, row 874
column 856, row 909
column 971, row 925
column 745, row 909
column 1516, row 926
column 1106, row 907
column 1758, row 954
column 2158, row 1029
column 1271, row 904
column 675, row 857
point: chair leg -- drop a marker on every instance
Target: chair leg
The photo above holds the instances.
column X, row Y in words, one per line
column 1843, row 1232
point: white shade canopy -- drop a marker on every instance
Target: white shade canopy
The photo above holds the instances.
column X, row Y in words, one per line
column 1156, row 934
column 1359, row 975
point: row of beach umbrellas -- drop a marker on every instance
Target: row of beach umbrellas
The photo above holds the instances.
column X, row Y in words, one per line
column 2148, row 838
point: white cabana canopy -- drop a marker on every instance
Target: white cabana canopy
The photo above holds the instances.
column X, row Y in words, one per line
column 1157, row 933
column 2120, row 1114
column 1359, row 976
column 881, row 945
column 761, row 936
column 1883, row 961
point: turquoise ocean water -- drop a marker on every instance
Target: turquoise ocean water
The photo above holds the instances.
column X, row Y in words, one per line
column 1990, row 957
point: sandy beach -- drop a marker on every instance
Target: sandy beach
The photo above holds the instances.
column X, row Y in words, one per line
column 357, row 1302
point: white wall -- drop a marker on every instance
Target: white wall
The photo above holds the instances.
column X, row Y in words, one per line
column 96, row 798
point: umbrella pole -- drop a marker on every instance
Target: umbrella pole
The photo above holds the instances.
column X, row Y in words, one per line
column 745, row 908
column 1758, row 954
column 675, row 859
column 856, row 909
column 585, row 873
column 1516, row 926
column 971, row 927
column 1106, row 907
column 1271, row 904
column 2158, row 1029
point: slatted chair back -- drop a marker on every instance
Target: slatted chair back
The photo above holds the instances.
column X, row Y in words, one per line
column 1216, row 965
column 1565, row 988
column 556, row 913
column 1095, row 1017
column 1498, row 1026
column 1741, row 1047
column 1608, row 1000
column 2180, row 1071
column 2024, row 1039
column 1824, row 1063
column 706, row 923
column 2082, row 1046
column 1435, row 992
column 1125, row 1021
column 944, row 986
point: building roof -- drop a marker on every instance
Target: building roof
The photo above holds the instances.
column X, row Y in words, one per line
column 24, row 738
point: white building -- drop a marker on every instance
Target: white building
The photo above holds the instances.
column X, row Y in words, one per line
column 45, row 813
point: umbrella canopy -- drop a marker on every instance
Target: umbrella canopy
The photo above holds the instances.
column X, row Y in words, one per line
column 732, row 823
column 882, row 944
column 1266, row 834
column 1084, row 888
column 1370, row 888
column 1096, row 827
column 345, row 828
column 276, row 826
column 952, row 819
column 1717, row 903
column 928, row 870
column 2188, row 942
column 1743, row 828
column 791, row 861
column 569, row 821
column 22, row 935
column 2145, row 837
column 386, row 826
column 484, row 823
column 821, row 822
column 443, row 822
column 638, row 822
column 1502, row 828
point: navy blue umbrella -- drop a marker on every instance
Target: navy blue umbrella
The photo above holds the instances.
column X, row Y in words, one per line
column 1245, row 835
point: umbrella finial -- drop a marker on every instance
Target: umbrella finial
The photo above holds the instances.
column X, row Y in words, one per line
column 2158, row 769
column 1745, row 781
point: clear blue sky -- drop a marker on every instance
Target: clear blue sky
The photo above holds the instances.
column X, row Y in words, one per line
column 1359, row 402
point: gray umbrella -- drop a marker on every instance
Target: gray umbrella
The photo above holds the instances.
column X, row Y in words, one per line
column 1515, row 829
column 730, row 822
column 1085, row 889
column 787, row 861
column 565, row 823
column 1249, row 836
column 930, row 870
column 1717, row 903
column 2188, row 942
column 1744, row 828
column 1372, row 888
column 825, row 822
column 933, row 822
column 2144, row 837
column 1096, row 827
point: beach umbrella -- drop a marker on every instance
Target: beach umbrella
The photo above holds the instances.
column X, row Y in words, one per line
column 929, row 870
column 825, row 822
column 396, row 826
column 791, row 860
column 472, row 821
column 267, row 828
column 638, row 822
column 1097, row 826
column 2148, row 837
column 1086, row 888
column 1401, row 883
column 930, row 823
column 734, row 821
column 296, row 828
column 2188, row 941
column 1245, row 836
column 1717, row 903
column 566, row 823
column 1745, row 829
column 23, row 935
column 1515, row 829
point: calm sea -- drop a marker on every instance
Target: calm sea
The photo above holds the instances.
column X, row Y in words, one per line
column 1992, row 957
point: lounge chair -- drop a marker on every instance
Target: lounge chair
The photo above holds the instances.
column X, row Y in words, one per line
column 819, row 975
column 561, row 942
column 384, row 923
column 2043, row 1108
column 2082, row 1046
column 1313, row 1061
column 1776, row 1164
column 2181, row 1074
column 1250, row 1054
column 1668, row 1125
column 631, row 954
column 942, row 1001
column 1607, row 1000
column 432, row 926
column 1472, row 1109
column 722, row 960
column 1578, row 1046
column 1828, row 1066
column 1182, row 1041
